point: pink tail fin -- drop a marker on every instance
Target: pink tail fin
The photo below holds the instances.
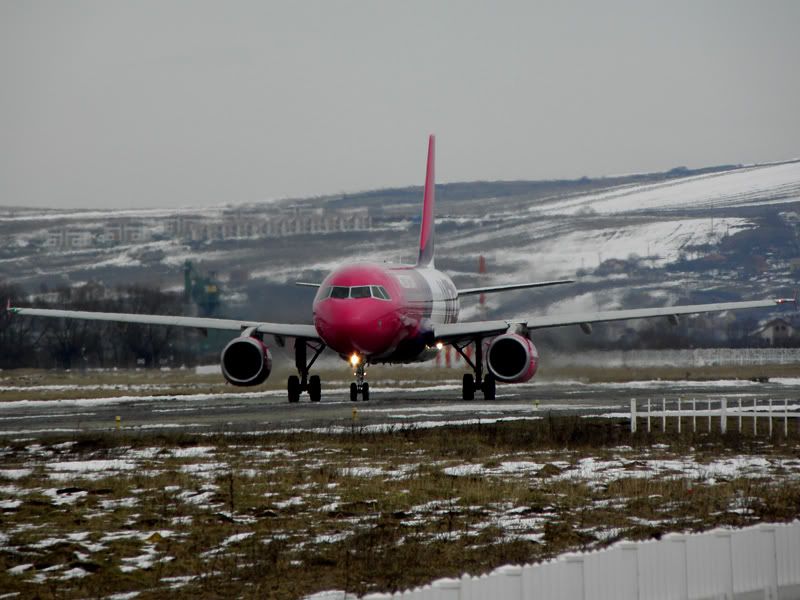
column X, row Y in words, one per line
column 426, row 233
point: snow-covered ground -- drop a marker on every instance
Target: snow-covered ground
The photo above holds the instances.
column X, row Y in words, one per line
column 199, row 486
column 759, row 184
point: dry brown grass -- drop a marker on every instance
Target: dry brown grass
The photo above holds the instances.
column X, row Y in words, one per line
column 406, row 524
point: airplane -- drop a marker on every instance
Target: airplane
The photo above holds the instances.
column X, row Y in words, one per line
column 370, row 313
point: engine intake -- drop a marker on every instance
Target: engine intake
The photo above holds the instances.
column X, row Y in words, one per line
column 246, row 361
column 512, row 358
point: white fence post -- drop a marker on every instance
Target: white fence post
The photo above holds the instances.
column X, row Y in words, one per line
column 708, row 408
column 770, row 417
column 576, row 574
column 663, row 414
column 740, row 415
column 787, row 543
column 770, row 530
column 509, row 583
column 683, row 569
column 679, row 415
column 694, row 415
column 630, row 559
column 648, row 415
column 723, row 416
column 755, row 419
column 448, row 589
column 785, row 417
column 633, row 415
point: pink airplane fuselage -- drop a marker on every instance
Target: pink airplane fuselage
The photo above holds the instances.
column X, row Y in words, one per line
column 397, row 329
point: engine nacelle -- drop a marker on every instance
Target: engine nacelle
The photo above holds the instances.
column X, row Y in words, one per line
column 246, row 361
column 512, row 358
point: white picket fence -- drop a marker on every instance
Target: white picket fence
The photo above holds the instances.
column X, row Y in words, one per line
column 749, row 415
column 762, row 562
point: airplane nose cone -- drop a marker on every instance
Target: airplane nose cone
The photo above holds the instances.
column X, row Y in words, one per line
column 364, row 325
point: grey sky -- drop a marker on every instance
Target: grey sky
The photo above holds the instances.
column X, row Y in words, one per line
column 164, row 103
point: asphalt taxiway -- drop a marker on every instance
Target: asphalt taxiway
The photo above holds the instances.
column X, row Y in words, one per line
column 425, row 405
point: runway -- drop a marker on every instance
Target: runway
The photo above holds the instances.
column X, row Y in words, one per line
column 427, row 405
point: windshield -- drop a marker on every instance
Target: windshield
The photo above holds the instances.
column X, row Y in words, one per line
column 359, row 291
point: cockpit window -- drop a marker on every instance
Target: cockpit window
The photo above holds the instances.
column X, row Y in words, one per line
column 378, row 291
column 361, row 291
column 339, row 291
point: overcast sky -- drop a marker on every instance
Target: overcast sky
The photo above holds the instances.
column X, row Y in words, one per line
column 165, row 103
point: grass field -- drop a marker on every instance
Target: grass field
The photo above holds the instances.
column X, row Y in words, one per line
column 287, row 515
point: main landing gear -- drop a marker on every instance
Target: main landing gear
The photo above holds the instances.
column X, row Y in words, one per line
column 359, row 386
column 471, row 383
column 297, row 385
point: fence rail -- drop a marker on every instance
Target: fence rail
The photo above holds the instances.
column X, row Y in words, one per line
column 762, row 561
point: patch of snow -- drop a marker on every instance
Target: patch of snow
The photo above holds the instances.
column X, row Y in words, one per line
column 331, row 595
column 361, row 472
column 15, row 473
column 74, row 573
column 295, row 501
column 192, row 452
column 19, row 569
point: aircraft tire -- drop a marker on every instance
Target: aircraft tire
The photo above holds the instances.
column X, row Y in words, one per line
column 353, row 392
column 468, row 387
column 365, row 392
column 489, row 387
column 315, row 388
column 293, row 387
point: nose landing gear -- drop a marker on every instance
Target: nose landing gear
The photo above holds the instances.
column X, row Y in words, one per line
column 359, row 386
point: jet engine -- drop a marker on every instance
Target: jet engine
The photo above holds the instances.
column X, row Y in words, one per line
column 246, row 361
column 512, row 358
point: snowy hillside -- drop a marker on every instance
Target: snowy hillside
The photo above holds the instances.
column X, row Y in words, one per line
column 756, row 185
column 658, row 222
column 664, row 225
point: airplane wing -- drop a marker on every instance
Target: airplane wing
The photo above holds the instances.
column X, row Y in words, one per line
column 279, row 329
column 513, row 286
column 452, row 332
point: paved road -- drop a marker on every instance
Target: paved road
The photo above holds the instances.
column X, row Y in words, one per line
column 427, row 405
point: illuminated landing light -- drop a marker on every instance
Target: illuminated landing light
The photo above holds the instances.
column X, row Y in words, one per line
column 439, row 345
column 355, row 359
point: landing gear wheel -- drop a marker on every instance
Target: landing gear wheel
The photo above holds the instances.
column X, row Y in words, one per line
column 353, row 392
column 315, row 388
column 293, row 386
column 489, row 387
column 468, row 387
column 365, row 392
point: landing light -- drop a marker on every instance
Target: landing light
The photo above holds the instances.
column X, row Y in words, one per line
column 355, row 359
column 439, row 345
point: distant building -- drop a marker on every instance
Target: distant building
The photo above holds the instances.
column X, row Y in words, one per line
column 776, row 332
column 125, row 233
column 238, row 224
column 295, row 220
column 69, row 239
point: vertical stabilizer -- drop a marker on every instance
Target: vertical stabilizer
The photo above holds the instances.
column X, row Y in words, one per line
column 426, row 233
